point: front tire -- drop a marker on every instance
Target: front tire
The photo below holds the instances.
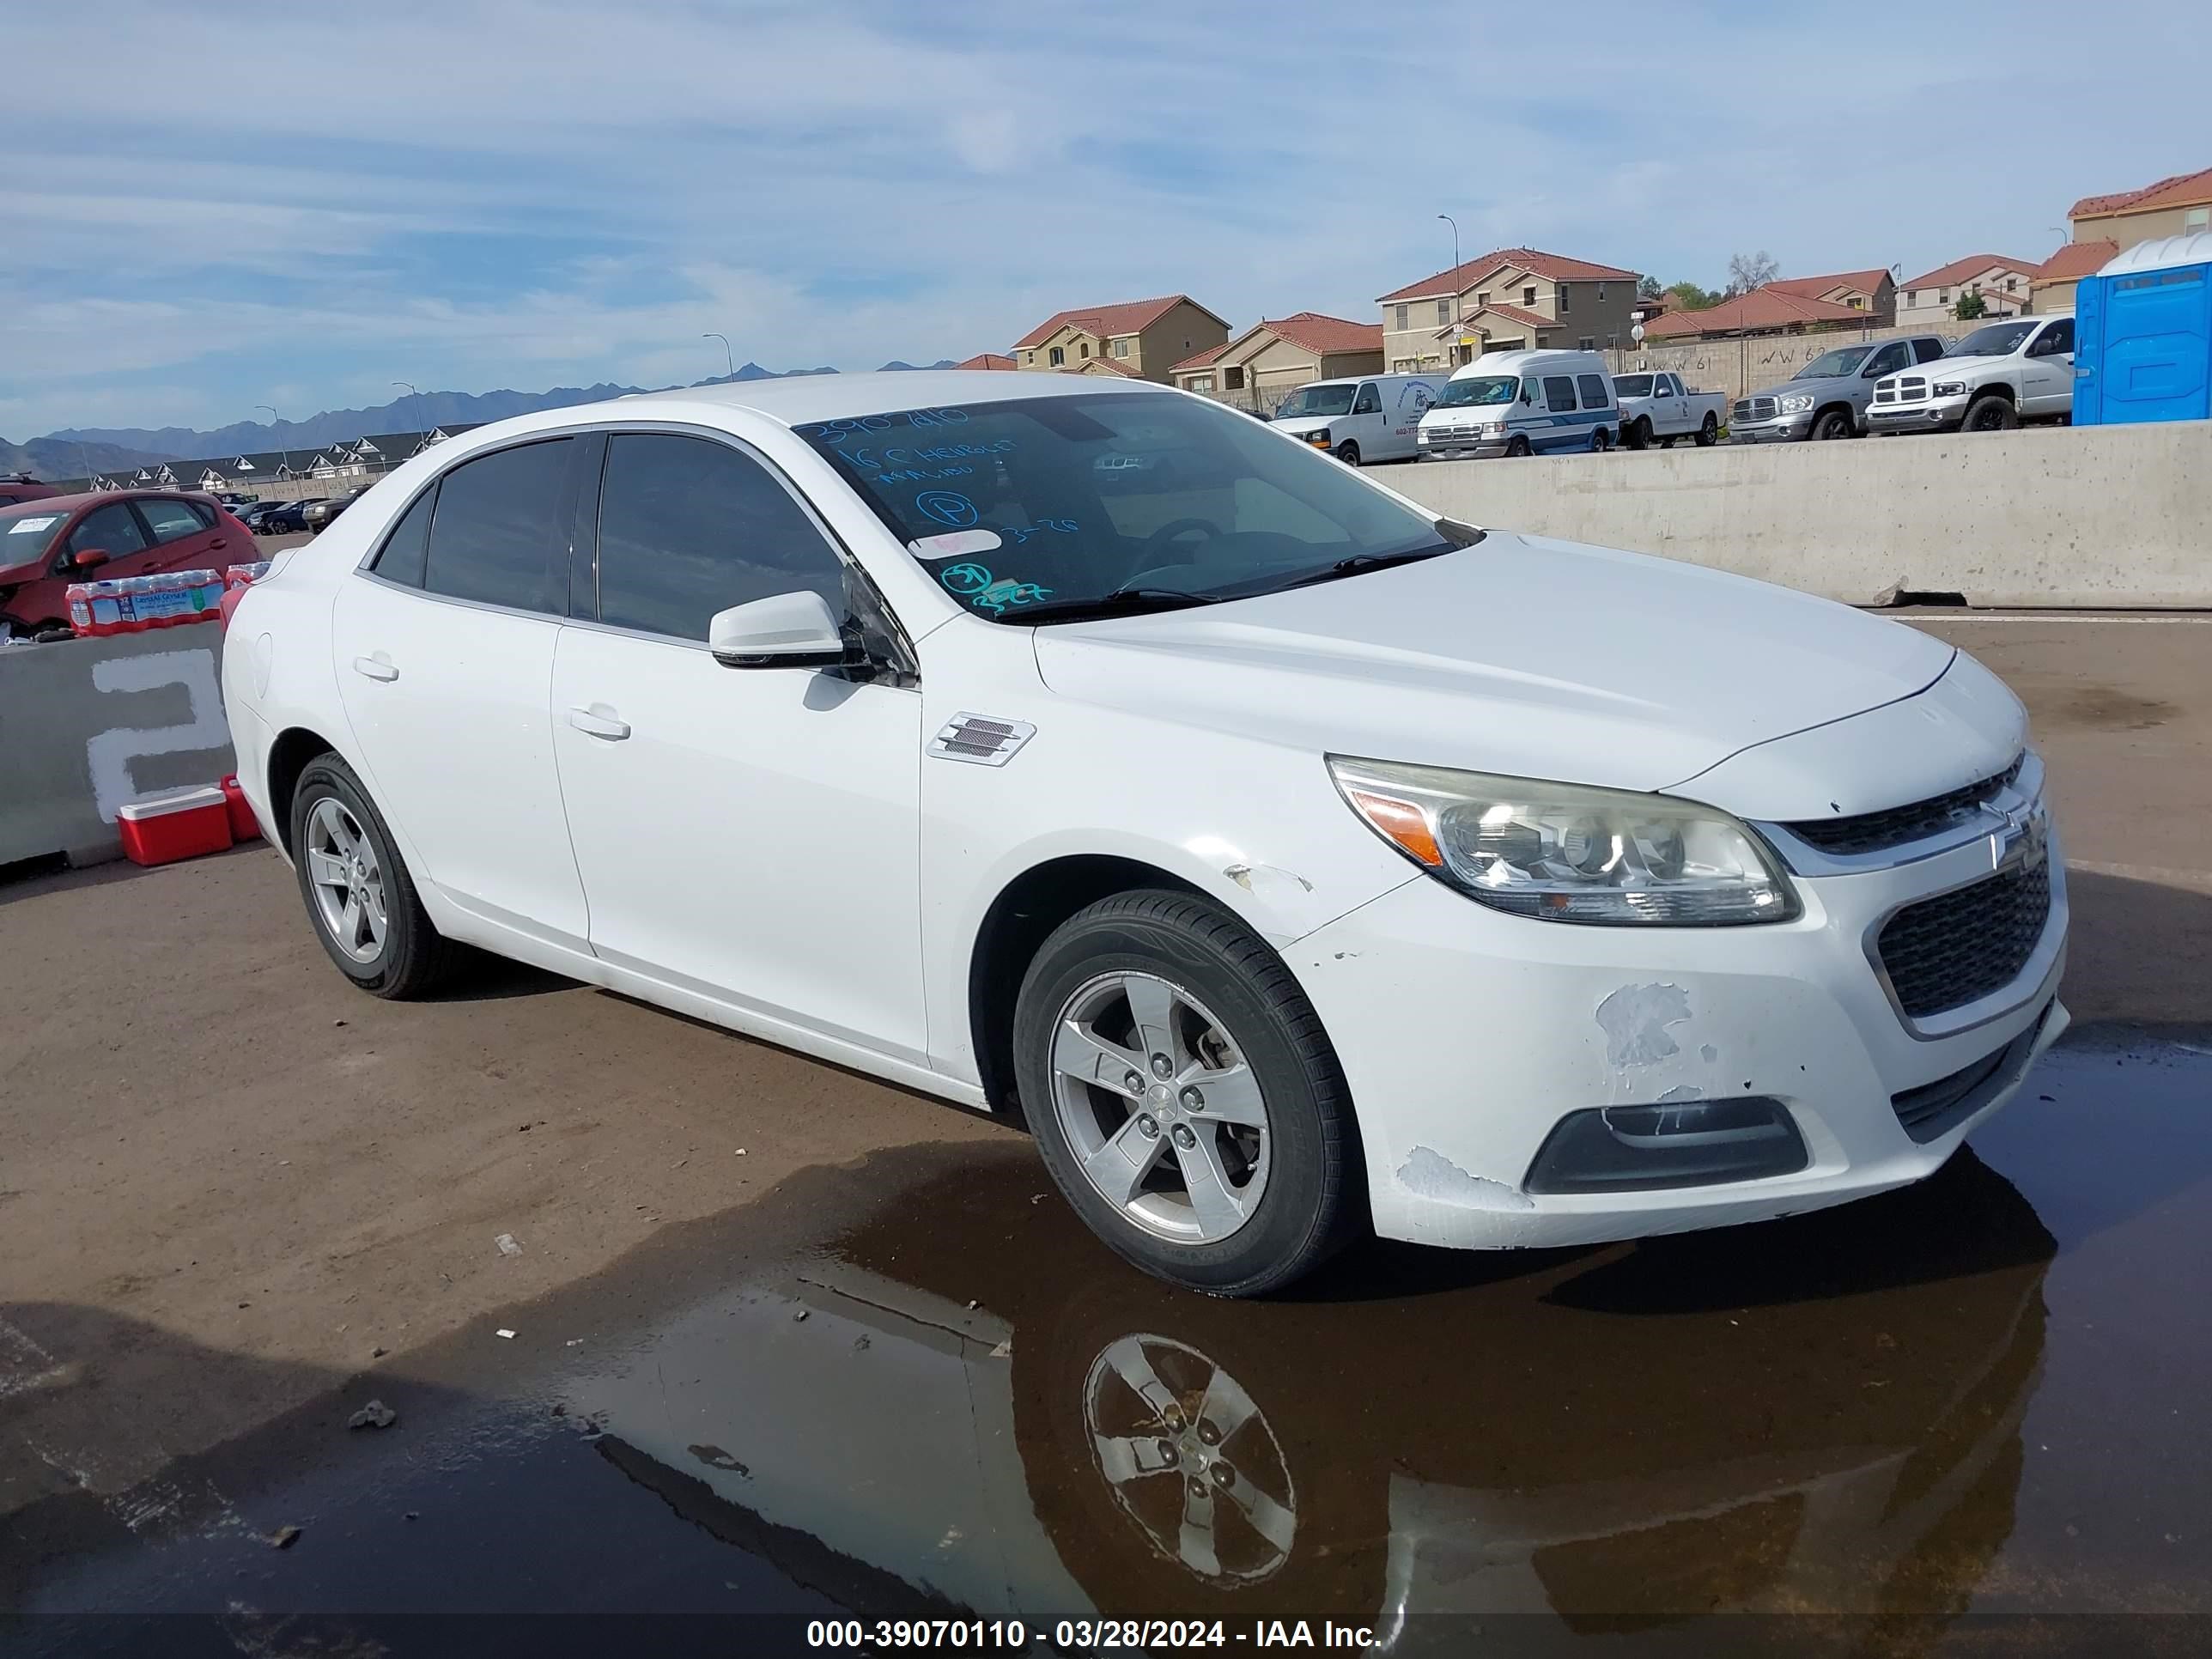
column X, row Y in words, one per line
column 1991, row 413
column 1348, row 453
column 1518, row 448
column 1184, row 1097
column 1833, row 423
column 360, row 898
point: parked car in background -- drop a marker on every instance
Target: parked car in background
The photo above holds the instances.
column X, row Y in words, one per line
column 2002, row 374
column 1523, row 403
column 1656, row 405
column 254, row 517
column 23, row 487
column 1829, row 397
column 45, row 545
column 288, row 518
column 1372, row 417
column 1759, row 952
column 319, row 515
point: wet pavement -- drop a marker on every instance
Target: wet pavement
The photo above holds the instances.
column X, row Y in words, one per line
column 914, row 1386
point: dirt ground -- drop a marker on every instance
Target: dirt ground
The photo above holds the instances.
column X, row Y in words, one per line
column 205, row 1132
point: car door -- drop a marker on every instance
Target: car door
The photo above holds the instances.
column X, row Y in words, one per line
column 2047, row 370
column 442, row 647
column 1678, row 403
column 1369, row 429
column 748, row 834
column 1892, row 358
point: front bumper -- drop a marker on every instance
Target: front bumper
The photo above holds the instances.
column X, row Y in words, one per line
column 1464, row 450
column 1930, row 416
column 1783, row 428
column 1466, row 1034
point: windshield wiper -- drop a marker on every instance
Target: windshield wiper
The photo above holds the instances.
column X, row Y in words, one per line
column 1121, row 602
column 1360, row 563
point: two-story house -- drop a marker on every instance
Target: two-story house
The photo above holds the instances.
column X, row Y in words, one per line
column 1279, row 355
column 1142, row 338
column 2004, row 284
column 1513, row 299
column 2103, row 225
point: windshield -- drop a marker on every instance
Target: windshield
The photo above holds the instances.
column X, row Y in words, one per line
column 1479, row 389
column 1830, row 364
column 1058, row 500
column 1631, row 385
column 1316, row 400
column 28, row 534
column 1997, row 340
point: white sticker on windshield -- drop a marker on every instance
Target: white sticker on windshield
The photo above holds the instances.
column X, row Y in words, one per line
column 25, row 527
column 955, row 543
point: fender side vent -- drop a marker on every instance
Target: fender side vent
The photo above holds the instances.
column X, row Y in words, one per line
column 980, row 740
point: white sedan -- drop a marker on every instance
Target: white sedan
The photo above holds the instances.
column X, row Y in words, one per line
column 1292, row 861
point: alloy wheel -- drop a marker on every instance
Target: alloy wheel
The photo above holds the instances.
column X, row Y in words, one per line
column 347, row 880
column 1164, row 1114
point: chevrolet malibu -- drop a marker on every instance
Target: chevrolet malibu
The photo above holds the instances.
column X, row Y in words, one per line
column 1294, row 862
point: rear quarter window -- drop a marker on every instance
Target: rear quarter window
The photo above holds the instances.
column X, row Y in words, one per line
column 1560, row 391
column 1594, row 390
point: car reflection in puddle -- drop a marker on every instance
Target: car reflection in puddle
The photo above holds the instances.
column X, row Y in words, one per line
column 1822, row 1413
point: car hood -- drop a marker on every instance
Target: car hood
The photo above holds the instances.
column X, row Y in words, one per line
column 1303, row 423
column 1948, row 366
column 1520, row 655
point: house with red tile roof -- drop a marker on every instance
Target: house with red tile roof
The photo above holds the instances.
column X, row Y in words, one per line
column 1764, row 310
column 1256, row 368
column 1873, row 292
column 1932, row 296
column 1145, row 339
column 1507, row 300
column 987, row 360
column 2053, row 288
column 2174, row 206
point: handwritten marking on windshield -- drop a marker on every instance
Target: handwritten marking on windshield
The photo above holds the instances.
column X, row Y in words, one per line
column 963, row 578
column 947, row 507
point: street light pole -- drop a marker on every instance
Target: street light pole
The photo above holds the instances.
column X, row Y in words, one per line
column 728, row 356
column 423, row 433
column 1454, row 223
column 274, row 422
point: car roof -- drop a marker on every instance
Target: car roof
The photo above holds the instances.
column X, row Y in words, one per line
column 45, row 504
column 1512, row 362
column 797, row 399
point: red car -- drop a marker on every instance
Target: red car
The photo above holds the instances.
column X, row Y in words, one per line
column 45, row 545
column 23, row 487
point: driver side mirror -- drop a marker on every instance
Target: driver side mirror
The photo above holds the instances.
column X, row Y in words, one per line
column 91, row 559
column 784, row 630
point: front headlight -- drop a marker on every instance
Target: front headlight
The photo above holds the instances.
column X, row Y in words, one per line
column 1950, row 388
column 1795, row 403
column 1494, row 429
column 1319, row 437
column 1563, row 853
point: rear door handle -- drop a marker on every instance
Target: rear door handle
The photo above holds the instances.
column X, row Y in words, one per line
column 600, row 721
column 378, row 668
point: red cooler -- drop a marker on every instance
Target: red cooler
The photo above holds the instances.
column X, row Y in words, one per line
column 179, row 824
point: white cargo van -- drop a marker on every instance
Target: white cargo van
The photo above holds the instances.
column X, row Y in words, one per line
column 1523, row 402
column 1374, row 417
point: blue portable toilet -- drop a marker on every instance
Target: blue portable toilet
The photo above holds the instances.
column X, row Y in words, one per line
column 2142, row 335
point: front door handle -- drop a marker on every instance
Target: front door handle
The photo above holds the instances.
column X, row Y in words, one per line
column 600, row 721
column 378, row 668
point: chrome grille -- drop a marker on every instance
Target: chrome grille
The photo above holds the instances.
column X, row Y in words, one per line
column 1754, row 409
column 1944, row 952
column 1912, row 389
column 1898, row 826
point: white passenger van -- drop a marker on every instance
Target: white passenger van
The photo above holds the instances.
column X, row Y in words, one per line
column 1373, row 417
column 1523, row 403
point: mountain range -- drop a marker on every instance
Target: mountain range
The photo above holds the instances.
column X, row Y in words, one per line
column 70, row 453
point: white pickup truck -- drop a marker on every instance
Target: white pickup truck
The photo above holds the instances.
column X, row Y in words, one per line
column 2003, row 374
column 1658, row 405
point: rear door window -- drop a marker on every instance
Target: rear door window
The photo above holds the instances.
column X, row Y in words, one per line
column 1593, row 390
column 113, row 529
column 492, row 534
column 171, row 520
column 688, row 527
column 1560, row 392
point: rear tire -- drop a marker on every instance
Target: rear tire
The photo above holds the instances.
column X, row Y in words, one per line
column 1709, row 430
column 1601, row 442
column 1137, row 1010
column 1990, row 413
column 379, row 936
column 1348, row 453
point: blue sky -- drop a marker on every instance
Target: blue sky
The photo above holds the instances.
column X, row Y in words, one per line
column 275, row 209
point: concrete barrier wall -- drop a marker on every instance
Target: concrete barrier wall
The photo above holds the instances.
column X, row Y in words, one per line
column 2091, row 517
column 87, row 726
